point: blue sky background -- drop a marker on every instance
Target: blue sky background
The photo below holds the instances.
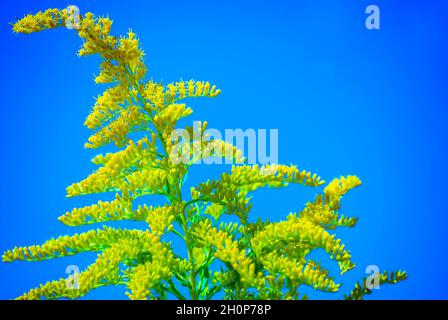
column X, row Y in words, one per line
column 346, row 100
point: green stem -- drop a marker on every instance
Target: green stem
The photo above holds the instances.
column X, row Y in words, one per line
column 177, row 198
column 193, row 291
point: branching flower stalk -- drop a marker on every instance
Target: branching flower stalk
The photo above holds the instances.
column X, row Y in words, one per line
column 246, row 259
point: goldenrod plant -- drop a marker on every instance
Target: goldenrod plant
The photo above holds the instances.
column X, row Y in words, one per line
column 243, row 259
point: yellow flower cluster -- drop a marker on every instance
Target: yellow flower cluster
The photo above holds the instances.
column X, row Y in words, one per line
column 97, row 40
column 160, row 96
column 183, row 89
column 104, row 271
column 215, row 210
column 166, row 119
column 228, row 250
column 101, row 159
column 50, row 290
column 280, row 248
column 118, row 130
column 121, row 55
column 338, row 187
column 49, row 19
column 154, row 94
column 121, row 169
column 249, row 178
column 203, row 151
column 305, row 236
column 144, row 276
column 107, row 106
column 231, row 190
column 93, row 240
column 222, row 149
column 118, row 209
column 361, row 290
column 323, row 211
column 127, row 56
column 134, row 157
column 146, row 181
column 159, row 219
column 299, row 272
column 95, row 33
column 203, row 147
